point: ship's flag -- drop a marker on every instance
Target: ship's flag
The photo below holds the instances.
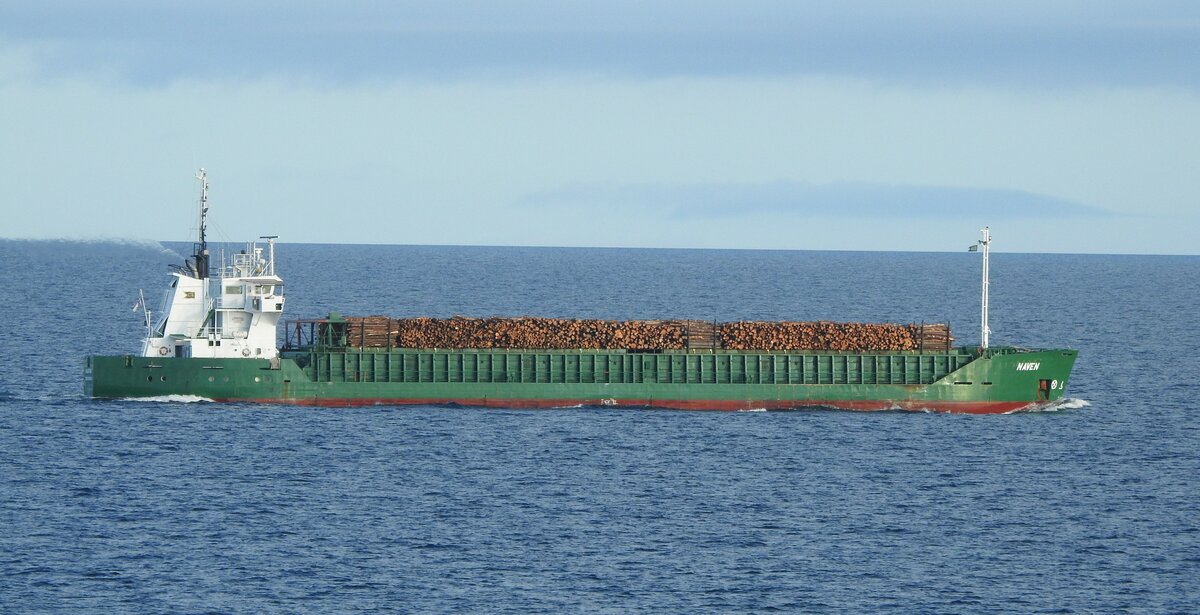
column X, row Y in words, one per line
column 974, row 248
column 137, row 306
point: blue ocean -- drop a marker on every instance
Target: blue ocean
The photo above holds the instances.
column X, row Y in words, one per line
column 186, row 506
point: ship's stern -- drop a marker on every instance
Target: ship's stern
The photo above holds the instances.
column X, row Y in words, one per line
column 87, row 378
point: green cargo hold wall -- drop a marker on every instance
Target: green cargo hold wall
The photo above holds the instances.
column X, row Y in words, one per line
column 565, row 367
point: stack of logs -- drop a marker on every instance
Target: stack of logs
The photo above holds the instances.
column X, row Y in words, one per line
column 822, row 335
column 556, row 333
column 516, row 333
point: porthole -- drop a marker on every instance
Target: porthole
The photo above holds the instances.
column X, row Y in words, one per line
column 225, row 379
column 162, row 378
column 149, row 378
column 258, row 379
column 212, row 379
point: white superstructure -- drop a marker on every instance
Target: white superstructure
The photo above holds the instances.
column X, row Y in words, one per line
column 232, row 315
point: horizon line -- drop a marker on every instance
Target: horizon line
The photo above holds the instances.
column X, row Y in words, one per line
column 145, row 242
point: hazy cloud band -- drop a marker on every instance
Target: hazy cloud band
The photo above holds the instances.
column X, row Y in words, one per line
column 863, row 199
column 1018, row 42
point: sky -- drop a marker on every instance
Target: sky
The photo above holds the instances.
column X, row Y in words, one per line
column 879, row 125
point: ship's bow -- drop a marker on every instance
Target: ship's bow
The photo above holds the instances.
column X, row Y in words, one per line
column 1007, row 379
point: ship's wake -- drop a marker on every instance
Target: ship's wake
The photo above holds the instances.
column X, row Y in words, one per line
column 1071, row 403
column 170, row 399
column 1066, row 403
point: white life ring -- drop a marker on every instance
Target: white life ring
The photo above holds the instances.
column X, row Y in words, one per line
column 162, row 350
column 245, row 352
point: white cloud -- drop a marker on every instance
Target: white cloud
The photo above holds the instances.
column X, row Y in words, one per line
column 445, row 162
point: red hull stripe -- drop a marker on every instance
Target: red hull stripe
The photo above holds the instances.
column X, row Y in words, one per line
column 963, row 407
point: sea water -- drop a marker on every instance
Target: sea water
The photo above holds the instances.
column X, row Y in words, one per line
column 181, row 505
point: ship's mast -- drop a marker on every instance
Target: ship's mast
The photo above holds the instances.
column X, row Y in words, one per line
column 145, row 313
column 202, row 247
column 986, row 242
column 270, row 252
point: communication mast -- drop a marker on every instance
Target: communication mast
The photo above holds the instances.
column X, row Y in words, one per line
column 201, row 249
column 985, row 331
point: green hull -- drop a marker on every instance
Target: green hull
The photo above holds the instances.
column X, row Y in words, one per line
column 999, row 380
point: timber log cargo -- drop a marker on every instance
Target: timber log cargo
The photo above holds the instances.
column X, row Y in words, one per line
column 532, row 333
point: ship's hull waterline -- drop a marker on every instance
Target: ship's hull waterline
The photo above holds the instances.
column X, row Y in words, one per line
column 999, row 380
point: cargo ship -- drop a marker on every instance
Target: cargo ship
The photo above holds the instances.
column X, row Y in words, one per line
column 217, row 337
